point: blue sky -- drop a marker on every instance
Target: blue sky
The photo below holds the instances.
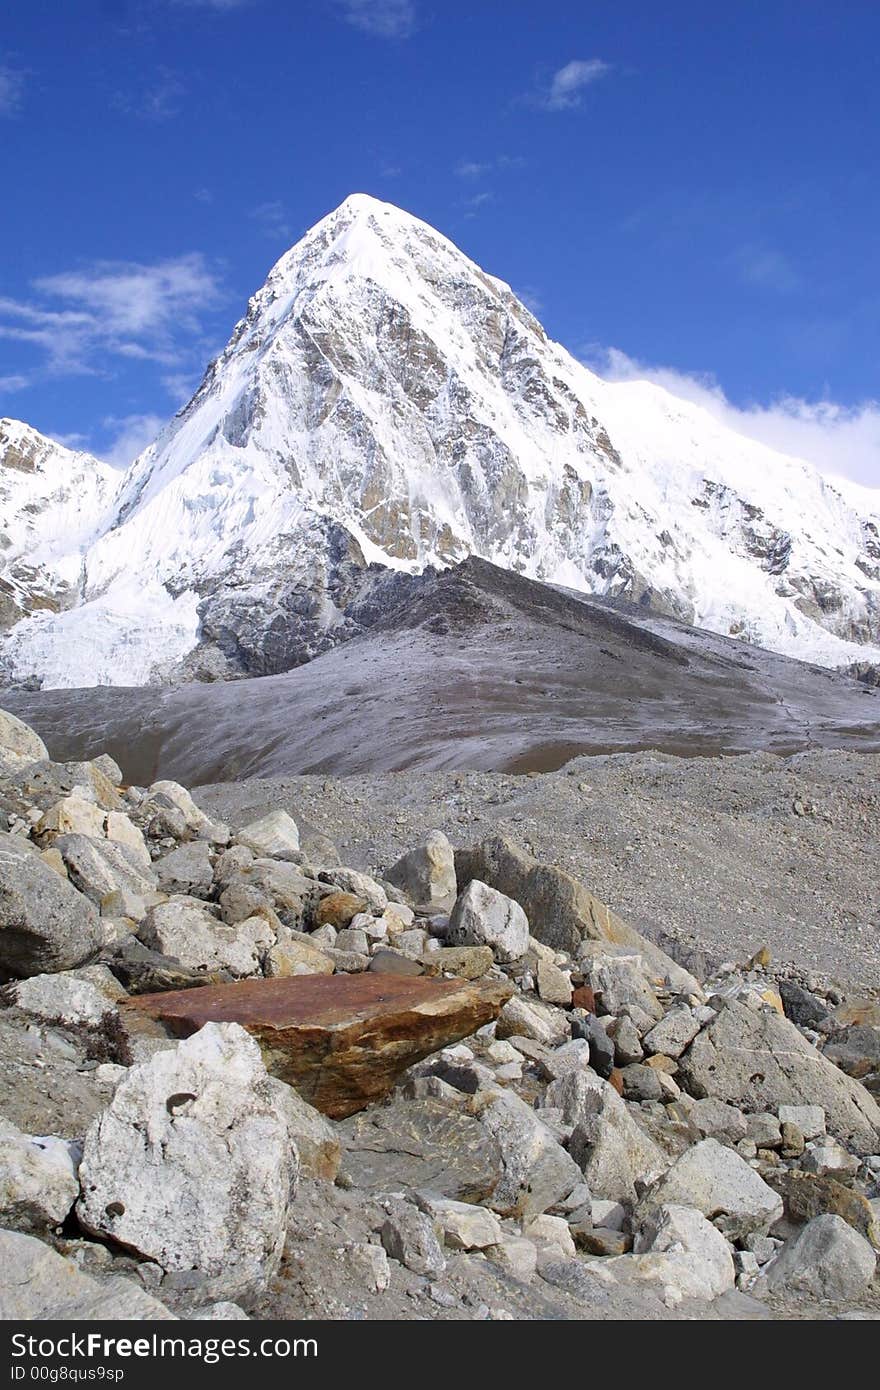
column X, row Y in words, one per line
column 678, row 190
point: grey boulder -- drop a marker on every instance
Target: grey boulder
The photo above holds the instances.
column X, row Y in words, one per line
column 45, row 924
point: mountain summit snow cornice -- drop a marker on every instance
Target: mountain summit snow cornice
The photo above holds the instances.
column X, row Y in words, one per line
column 385, row 402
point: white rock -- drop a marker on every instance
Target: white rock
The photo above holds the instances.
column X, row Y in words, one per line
column 675, row 1031
column 272, row 837
column 180, row 797
column 220, row 1312
column 192, row 1165
column 427, row 874
column 19, row 740
column 123, row 831
column 64, row 998
column 73, row 815
column 810, row 1119
column 464, row 1227
column 828, row 1259
column 720, row 1184
column 183, row 928
column 612, row 1150
column 371, row 1262
column 484, row 917
column 550, row 1230
column 517, row 1256
column 526, row 1018
column 40, row 1284
column 677, row 1228
column 362, row 886
column 38, row 1183
column 537, row 1172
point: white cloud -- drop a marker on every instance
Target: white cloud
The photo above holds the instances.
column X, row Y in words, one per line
column 477, row 169
column 568, row 83
column 385, row 19
column 766, row 269
column 16, row 381
column 159, row 99
column 843, row 441
column 80, row 319
column 12, row 82
column 131, row 435
column 272, row 218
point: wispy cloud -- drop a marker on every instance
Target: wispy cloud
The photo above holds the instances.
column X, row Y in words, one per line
column 385, row 19
column 209, row 4
column 766, row 269
column 158, row 99
column 12, row 83
column 203, row 195
column 16, row 381
column 129, row 436
column 79, row 321
column 272, row 219
column 478, row 168
column 566, row 88
column 530, row 297
column 843, row 441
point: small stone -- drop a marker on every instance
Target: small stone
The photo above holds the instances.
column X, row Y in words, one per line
column 410, row 1238
column 554, row 986
column 371, row 1262
column 627, row 1045
column 272, row 837
column 792, row 1141
column 600, row 1240
column 675, row 1031
column 427, row 874
column 516, row 1256
column 464, row 1227
column 810, row 1119
column 550, row 1230
column 338, row 909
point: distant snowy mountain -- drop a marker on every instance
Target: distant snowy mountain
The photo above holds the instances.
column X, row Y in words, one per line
column 385, row 402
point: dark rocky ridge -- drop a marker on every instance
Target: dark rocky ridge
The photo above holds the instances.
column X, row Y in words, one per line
column 478, row 668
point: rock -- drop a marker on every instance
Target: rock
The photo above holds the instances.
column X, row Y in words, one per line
column 762, row 1128
column 172, row 794
column 601, row 1046
column 806, row 1196
column 758, row 1061
column 353, row 939
column 673, row 1033
column 625, row 1036
column 274, row 836
column 409, row 1237
column 484, row 917
column 295, row 956
column 360, row 886
column 191, row 1164
column 38, row 1183
column 45, row 924
column 338, row 909
column 525, row 1018
column 554, row 986
column 830, row 1160
column 550, row 1230
column 314, row 1137
column 183, row 928
column 792, row 1141
column 517, row 1256
column 371, row 1265
column 69, row 1000
column 810, row 1119
column 39, row 1284
column 803, row 1008
column 714, row 1119
column 827, row 1260
column 99, row 867
column 143, row 971
column 427, row 874
column 680, row 1228
column 606, row 1142
column 561, row 911
column 641, row 1083
column 186, row 870
column 622, row 981
column 388, row 962
column 20, row 741
column 220, row 1312
column 421, row 1145
column 340, row 1040
column 468, row 962
column 612, row 1216
column 73, row 816
column 855, row 1050
column 464, row 1227
column 722, row 1186
column 536, row 1171
column 599, row 1240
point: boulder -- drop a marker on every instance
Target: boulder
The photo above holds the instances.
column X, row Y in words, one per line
column 463, row 1226
column 167, row 793
column 45, row 924
column 421, row 1145
column 38, row 1183
column 191, row 1164
column 340, row 1040
column 719, row 1183
column 757, row 1061
column 271, row 837
column 427, row 874
column 610, row 1148
column 536, row 1171
column 827, row 1260
column 294, row 954
column 72, row 815
column 807, row 1195
column 484, row 917
column 186, row 870
column 313, row 1137
column 468, row 962
column 18, row 742
column 99, row 867
column 38, row 1284
column 526, row 1018
column 561, row 911
column 677, row 1228
column 122, row 831
column 675, row 1031
column 338, row 909
column 183, row 928
column 360, row 886
column 76, row 1001
column 409, row 1237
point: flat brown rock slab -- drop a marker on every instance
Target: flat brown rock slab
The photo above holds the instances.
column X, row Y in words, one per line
column 341, row 1040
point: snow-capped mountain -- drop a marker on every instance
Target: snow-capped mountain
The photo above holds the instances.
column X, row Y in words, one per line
column 386, row 402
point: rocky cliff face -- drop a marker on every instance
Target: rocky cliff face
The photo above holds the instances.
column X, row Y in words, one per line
column 385, row 402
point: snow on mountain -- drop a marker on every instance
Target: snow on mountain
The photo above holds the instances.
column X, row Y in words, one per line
column 384, row 401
